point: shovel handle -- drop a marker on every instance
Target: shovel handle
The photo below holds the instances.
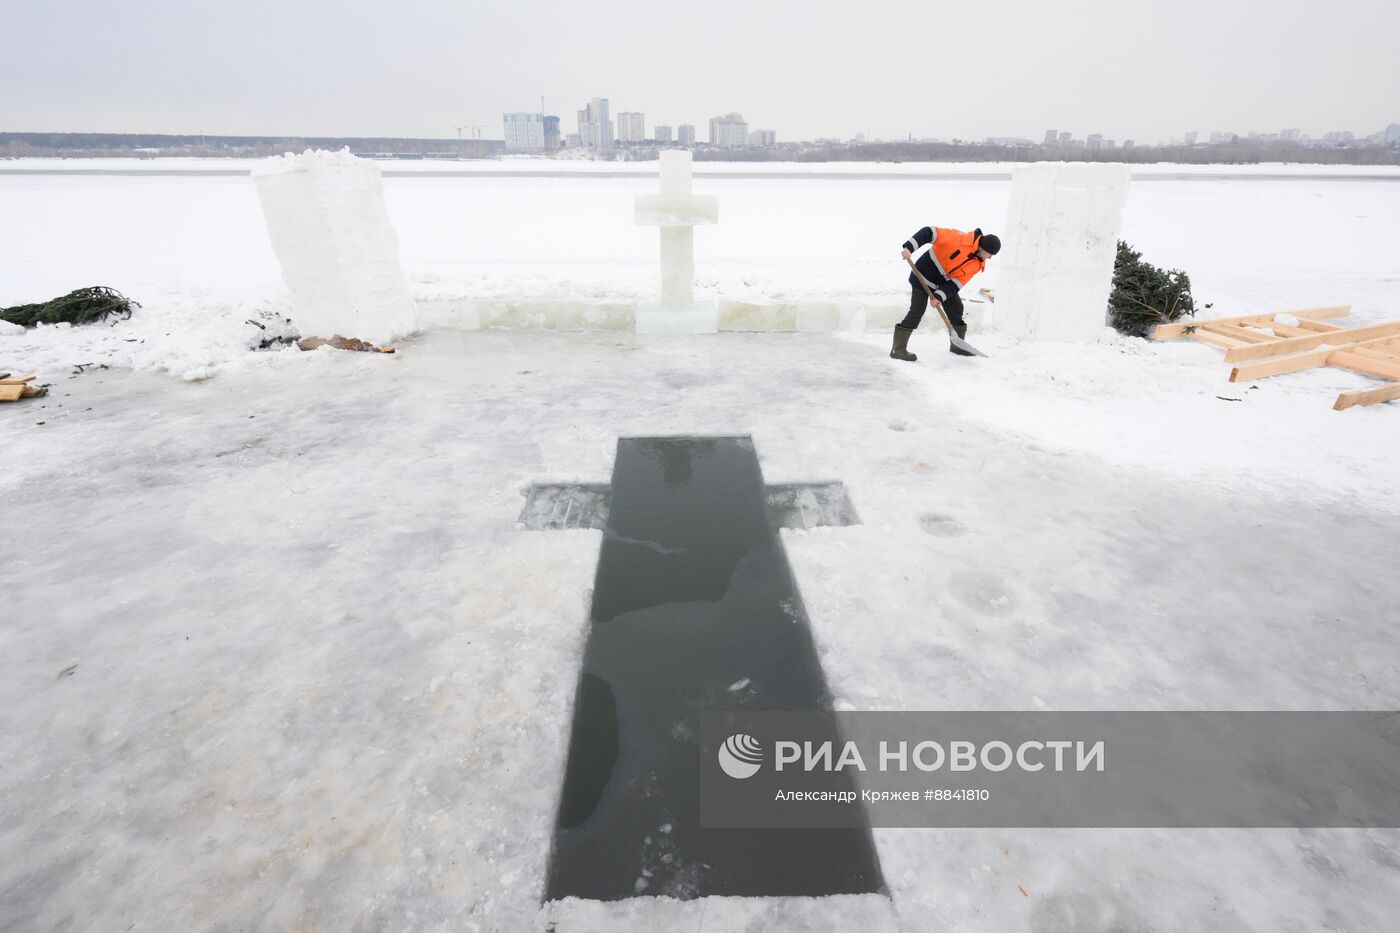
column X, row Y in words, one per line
column 932, row 300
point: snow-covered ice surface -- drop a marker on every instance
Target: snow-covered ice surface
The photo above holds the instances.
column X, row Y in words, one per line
column 323, row 680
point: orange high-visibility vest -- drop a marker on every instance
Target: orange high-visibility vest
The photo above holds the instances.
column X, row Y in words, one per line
column 955, row 254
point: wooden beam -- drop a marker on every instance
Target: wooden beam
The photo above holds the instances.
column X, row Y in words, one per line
column 1294, row 344
column 1172, row 331
column 1235, row 331
column 1278, row 365
column 1288, row 330
column 1346, row 359
column 1294, row 362
column 1319, row 326
column 1367, row 397
column 1216, row 340
column 11, row 392
column 1319, row 314
column 1377, row 351
column 15, row 380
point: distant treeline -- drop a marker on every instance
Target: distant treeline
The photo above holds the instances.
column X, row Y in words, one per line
column 1240, row 152
column 98, row 145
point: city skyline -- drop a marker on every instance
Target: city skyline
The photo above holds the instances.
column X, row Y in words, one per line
column 720, row 134
column 817, row 70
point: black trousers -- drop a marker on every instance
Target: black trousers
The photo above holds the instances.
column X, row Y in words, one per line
column 918, row 304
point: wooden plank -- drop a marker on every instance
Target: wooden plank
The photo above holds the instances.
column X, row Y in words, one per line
column 1236, row 332
column 1278, row 365
column 11, row 392
column 1288, row 330
column 1172, row 331
column 15, row 380
column 1216, row 340
column 1295, row 344
column 1346, row 359
column 1319, row 314
column 1293, row 362
column 1377, row 351
column 1367, row 397
column 1318, row 326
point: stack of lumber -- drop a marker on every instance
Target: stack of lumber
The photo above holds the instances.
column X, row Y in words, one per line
column 14, row 388
column 1265, row 345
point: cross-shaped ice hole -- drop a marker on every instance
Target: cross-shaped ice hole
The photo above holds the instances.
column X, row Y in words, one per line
column 694, row 608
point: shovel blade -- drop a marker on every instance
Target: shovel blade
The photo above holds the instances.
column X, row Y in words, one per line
column 962, row 344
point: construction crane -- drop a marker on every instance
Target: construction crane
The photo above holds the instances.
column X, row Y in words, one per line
column 474, row 127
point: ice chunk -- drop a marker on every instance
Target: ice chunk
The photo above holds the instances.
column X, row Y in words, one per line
column 338, row 252
column 1060, row 240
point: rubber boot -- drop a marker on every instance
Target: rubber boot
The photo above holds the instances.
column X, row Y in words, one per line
column 961, row 330
column 900, row 350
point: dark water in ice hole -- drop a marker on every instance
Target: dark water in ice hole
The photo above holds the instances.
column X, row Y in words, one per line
column 693, row 596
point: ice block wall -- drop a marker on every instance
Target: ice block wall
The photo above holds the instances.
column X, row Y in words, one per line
column 339, row 253
column 1058, row 247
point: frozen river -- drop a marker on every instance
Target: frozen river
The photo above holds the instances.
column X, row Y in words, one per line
column 275, row 654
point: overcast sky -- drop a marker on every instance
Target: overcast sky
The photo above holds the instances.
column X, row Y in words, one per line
column 1145, row 70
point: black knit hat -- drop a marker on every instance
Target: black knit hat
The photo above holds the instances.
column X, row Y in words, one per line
column 991, row 243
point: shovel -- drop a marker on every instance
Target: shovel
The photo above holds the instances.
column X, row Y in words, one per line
column 953, row 337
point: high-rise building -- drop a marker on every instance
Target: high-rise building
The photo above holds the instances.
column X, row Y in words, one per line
column 631, row 128
column 729, row 130
column 1051, row 137
column 1190, row 139
column 595, row 129
column 1392, row 134
column 685, row 134
column 1094, row 141
column 524, row 132
column 551, row 133
column 1128, row 144
column 1291, row 136
column 663, row 134
column 1065, row 138
column 766, row 138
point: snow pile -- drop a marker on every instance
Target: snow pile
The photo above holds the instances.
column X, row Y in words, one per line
column 1061, row 236
column 338, row 252
column 189, row 338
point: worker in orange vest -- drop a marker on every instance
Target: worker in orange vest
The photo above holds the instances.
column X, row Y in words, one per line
column 952, row 259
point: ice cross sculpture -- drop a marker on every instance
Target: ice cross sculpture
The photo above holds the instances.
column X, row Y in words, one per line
column 694, row 608
column 676, row 210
